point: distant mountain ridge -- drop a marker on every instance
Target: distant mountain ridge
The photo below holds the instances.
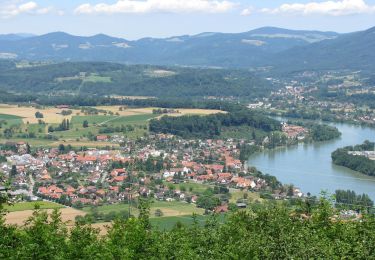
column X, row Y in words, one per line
column 267, row 46
column 15, row 36
column 349, row 51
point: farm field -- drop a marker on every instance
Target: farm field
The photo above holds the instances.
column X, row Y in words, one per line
column 175, row 208
column 168, row 209
column 167, row 223
column 148, row 110
column 236, row 194
column 9, row 117
column 173, row 213
column 19, row 217
column 53, row 115
column 33, row 142
column 113, row 120
column 27, row 113
column 31, row 205
column 105, row 209
column 24, row 123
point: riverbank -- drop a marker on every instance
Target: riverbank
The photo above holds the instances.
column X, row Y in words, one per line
column 309, row 166
column 357, row 158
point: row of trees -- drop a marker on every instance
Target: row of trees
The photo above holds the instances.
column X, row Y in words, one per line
column 357, row 163
column 64, row 126
column 267, row 232
column 246, row 150
column 350, row 200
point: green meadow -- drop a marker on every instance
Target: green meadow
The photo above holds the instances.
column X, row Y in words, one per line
column 21, row 206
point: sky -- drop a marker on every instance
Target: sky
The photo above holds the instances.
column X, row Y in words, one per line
column 134, row 19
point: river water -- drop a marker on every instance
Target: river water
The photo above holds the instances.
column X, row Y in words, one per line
column 309, row 166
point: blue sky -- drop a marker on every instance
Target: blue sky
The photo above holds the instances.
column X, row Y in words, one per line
column 133, row 19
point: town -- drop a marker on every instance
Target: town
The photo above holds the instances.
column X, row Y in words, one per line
column 156, row 167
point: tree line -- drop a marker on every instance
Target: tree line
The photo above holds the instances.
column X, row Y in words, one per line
column 210, row 126
column 357, row 163
column 271, row 231
column 350, row 200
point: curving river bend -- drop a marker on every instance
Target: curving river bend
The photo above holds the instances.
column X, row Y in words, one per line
column 309, row 166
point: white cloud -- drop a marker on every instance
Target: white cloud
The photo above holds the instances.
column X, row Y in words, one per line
column 247, row 11
column 334, row 8
column 27, row 7
column 153, row 6
column 11, row 8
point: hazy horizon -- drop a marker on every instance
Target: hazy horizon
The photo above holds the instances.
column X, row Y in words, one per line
column 135, row 19
column 26, row 34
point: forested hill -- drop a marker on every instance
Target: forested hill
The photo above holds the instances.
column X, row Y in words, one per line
column 206, row 49
column 89, row 78
column 277, row 48
column 350, row 51
column 210, row 126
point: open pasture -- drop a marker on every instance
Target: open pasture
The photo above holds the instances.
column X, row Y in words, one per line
column 19, row 217
column 167, row 223
column 10, row 119
column 193, row 187
column 51, row 115
column 175, row 208
column 169, row 209
column 148, row 110
column 108, row 120
column 21, row 206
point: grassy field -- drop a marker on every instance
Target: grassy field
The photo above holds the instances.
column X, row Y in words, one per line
column 105, row 209
column 136, row 119
column 173, row 213
column 139, row 122
column 195, row 188
column 93, row 77
column 97, row 78
column 91, row 119
column 237, row 194
column 169, row 209
column 31, row 205
column 27, row 113
column 32, row 142
column 175, row 208
column 112, row 120
column 19, row 217
column 78, row 135
column 11, row 119
column 167, row 223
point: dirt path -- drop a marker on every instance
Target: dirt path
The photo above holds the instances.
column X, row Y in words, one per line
column 109, row 120
column 32, row 184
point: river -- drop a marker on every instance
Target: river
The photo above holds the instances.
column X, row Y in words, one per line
column 309, row 166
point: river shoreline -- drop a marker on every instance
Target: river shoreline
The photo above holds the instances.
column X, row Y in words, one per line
column 309, row 166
